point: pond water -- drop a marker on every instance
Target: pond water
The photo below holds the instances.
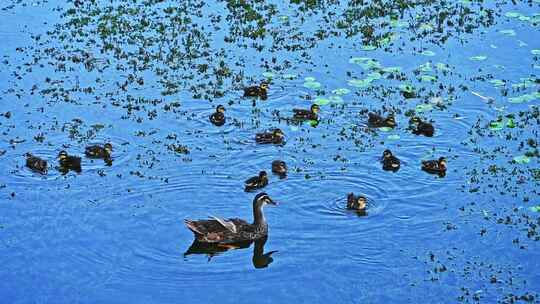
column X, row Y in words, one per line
column 145, row 75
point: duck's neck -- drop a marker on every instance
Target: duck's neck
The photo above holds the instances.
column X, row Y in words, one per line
column 258, row 216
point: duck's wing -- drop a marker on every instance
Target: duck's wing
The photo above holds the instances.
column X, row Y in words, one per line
column 252, row 181
column 301, row 111
column 229, row 225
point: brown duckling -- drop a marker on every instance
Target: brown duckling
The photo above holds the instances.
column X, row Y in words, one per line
column 390, row 162
column 256, row 182
column 356, row 202
column 377, row 121
column 273, row 136
column 260, row 91
column 421, row 127
column 69, row 162
column 435, row 166
column 279, row 167
column 218, row 118
column 100, row 152
column 36, row 164
column 311, row 114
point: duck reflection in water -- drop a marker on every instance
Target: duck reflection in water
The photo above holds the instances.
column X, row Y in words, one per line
column 259, row 259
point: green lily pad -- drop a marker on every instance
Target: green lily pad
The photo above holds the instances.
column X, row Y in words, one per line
column 368, row 48
column 428, row 53
column 524, row 98
column 426, row 67
column 535, row 208
column 497, row 82
column 392, row 70
column 478, row 58
column 359, row 83
column 335, row 99
column 393, row 137
column 428, row 78
column 385, row 129
column 423, row 108
column 442, row 66
column 309, row 79
column 496, row 125
column 322, row 101
column 312, row 85
column 510, row 123
column 341, row 91
column 508, row 32
column 289, row 76
column 512, row 14
column 268, row 75
column 522, row 159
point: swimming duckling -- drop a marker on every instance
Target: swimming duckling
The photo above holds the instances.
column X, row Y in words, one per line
column 390, row 162
column 273, row 136
column 256, row 182
column 377, row 121
column 260, row 91
column 311, row 114
column 218, row 117
column 435, row 166
column 36, row 164
column 280, row 168
column 69, row 162
column 422, row 127
column 356, row 202
column 100, row 152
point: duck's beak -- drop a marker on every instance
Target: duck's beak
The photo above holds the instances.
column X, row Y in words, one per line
column 271, row 202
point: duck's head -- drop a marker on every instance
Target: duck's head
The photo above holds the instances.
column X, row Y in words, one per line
column 442, row 163
column 62, row 155
column 263, row 199
column 263, row 174
column 390, row 120
column 108, row 147
column 278, row 133
column 264, row 85
column 220, row 109
column 315, row 108
column 387, row 153
column 361, row 202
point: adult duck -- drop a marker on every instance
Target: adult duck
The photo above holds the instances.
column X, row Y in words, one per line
column 436, row 166
column 217, row 230
column 311, row 114
column 218, row 118
column 377, row 121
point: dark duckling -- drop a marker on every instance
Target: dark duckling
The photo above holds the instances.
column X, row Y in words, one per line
column 311, row 114
column 435, row 166
column 256, row 182
column 69, row 162
column 279, row 167
column 356, row 202
column 390, row 162
column 260, row 91
column 233, row 230
column 273, row 136
column 36, row 164
column 422, row 127
column 100, row 152
column 377, row 121
column 218, row 118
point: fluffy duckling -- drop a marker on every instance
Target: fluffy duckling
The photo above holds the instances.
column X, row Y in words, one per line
column 218, row 118
column 356, row 202
column 435, row 166
column 311, row 114
column 377, row 121
column 69, row 162
column 100, row 152
column 260, row 91
column 390, row 162
column 421, row 127
column 279, row 167
column 273, row 136
column 256, row 182
column 36, row 164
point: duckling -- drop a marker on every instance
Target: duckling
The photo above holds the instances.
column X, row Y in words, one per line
column 390, row 162
column 377, row 121
column 36, row 164
column 218, row 117
column 69, row 162
column 260, row 91
column 256, row 182
column 279, row 167
column 311, row 114
column 435, row 166
column 100, row 152
column 273, row 136
column 422, row 127
column 356, row 202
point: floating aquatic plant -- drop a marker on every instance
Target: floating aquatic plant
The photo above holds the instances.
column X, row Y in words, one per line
column 393, row 137
column 428, row 53
column 423, row 108
column 478, row 58
column 322, row 101
column 341, row 91
column 268, row 75
column 289, row 76
column 521, row 159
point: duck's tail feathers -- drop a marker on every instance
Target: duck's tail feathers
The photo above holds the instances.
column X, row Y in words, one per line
column 192, row 226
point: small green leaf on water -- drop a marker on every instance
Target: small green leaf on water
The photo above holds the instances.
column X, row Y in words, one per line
column 341, row 91
column 393, row 137
column 289, row 76
column 385, row 129
column 522, row 159
column 322, row 101
column 423, row 107
column 336, row 99
column 428, row 78
column 510, row 123
column 512, row 14
column 523, row 98
column 268, row 75
column 478, row 58
column 442, row 66
column 392, row 70
column 312, row 85
column 428, row 53
column 359, row 83
column 497, row 82
column 508, row 32
column 368, row 48
column 496, row 125
column 309, row 79
column 535, row 208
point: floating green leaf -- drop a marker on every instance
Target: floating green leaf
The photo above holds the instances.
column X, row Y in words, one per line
column 522, row 159
column 312, row 85
column 508, row 32
column 512, row 14
column 497, row 82
column 359, row 83
column 368, row 48
column 535, row 208
column 423, row 107
column 336, row 99
column 309, row 79
column 496, row 125
column 478, row 58
column 393, row 137
column 510, row 123
column 268, row 75
column 289, row 76
column 385, row 129
column 428, row 53
column 322, row 101
column 392, row 70
column 341, row 91
column 428, row 78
